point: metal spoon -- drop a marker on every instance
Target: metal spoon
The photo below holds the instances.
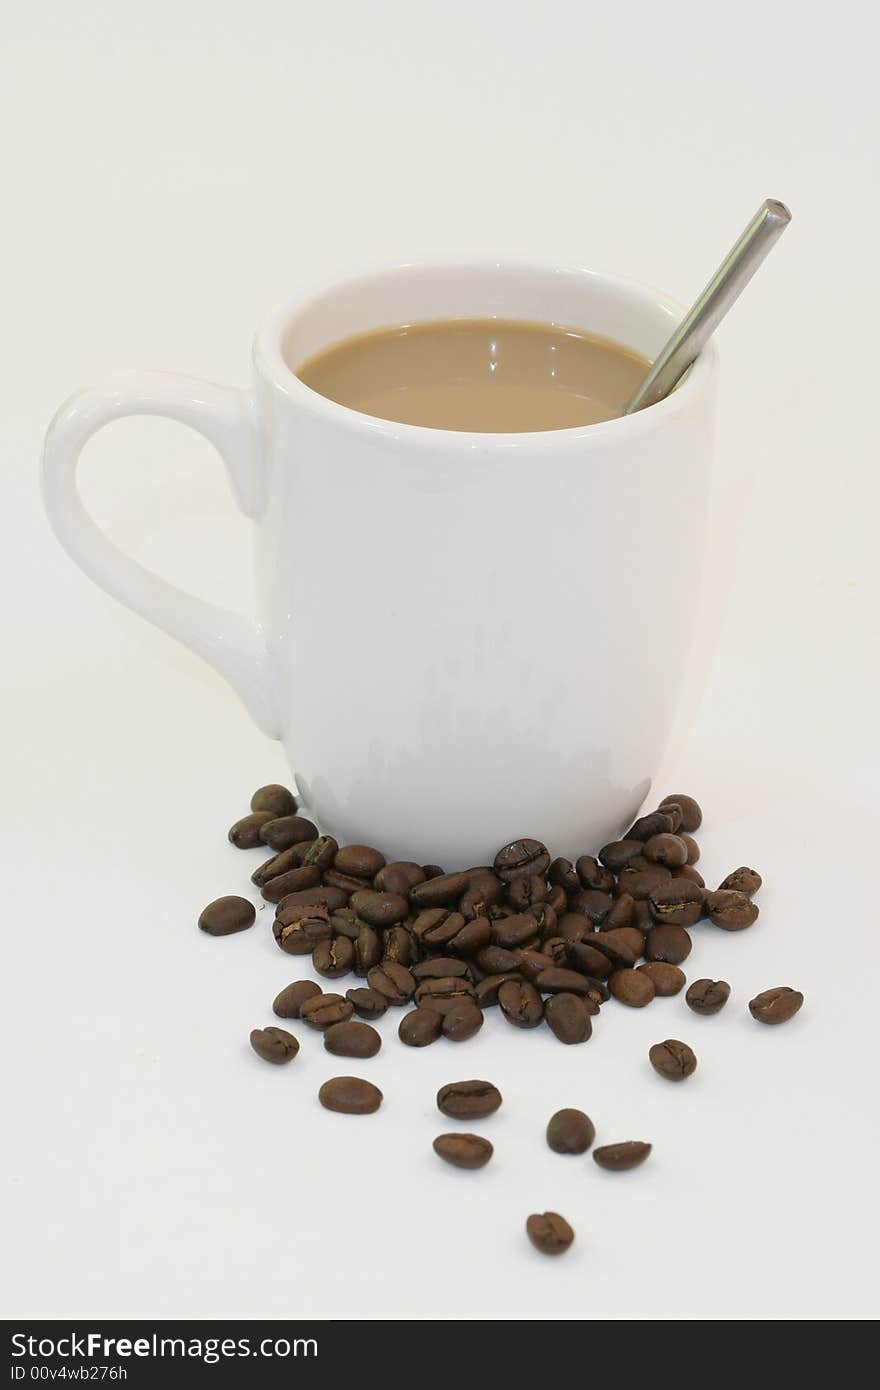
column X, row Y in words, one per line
column 701, row 320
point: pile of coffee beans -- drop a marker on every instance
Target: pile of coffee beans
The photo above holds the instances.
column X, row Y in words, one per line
column 544, row 940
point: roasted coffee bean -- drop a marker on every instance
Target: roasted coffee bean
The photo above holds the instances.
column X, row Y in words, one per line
column 693, row 849
column 691, row 815
column 567, row 1018
column 367, row 950
column 556, row 947
column 570, row 1132
column 433, row 871
column 345, row 923
column 436, row 926
column 321, row 852
column 274, row 1044
column 632, row 987
column 420, row 1027
column 742, row 880
column 511, row 932
column 323, row 1010
column 462, row 1020
column 562, row 872
column 368, row 1003
column 730, row 909
column 776, row 1005
column 398, row 945
column 642, row 917
column 614, row 945
column 360, row 861
column 392, row 980
column 592, row 874
column 521, row 1004
column 487, row 989
column 399, row 877
column 592, row 904
column 484, row 891
column 670, row 850
column 287, row 1004
column 546, row 919
column 471, row 937
column 333, row 958
column 621, row 914
column 436, row 967
column 300, row 936
column 468, row 1100
column 672, row 1059
column 549, row 1232
column 352, row 1039
column 557, row 900
column 521, row 858
column 224, row 916
column 334, row 879
column 689, row 872
column 275, row 799
column 294, row 881
column 641, row 883
column 349, row 1095
column 285, row 831
column 583, row 956
column 463, row 1150
column 667, row 979
column 558, row 980
column 245, row 834
column 331, row 899
column 655, row 823
column 617, row 1158
column 707, row 996
column 573, row 926
column 631, row 937
column 678, row 902
column 530, row 964
column 618, row 853
column 523, row 893
column 668, row 943
column 442, row 994
column 380, row 909
column 439, row 891
column 276, row 866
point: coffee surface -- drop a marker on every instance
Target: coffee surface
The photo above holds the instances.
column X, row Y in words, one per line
column 480, row 375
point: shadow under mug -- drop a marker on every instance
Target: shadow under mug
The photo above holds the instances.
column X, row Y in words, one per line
column 458, row 637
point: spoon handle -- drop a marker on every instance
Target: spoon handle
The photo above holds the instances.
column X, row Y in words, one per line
column 704, row 316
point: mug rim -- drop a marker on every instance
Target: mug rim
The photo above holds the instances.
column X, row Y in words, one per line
column 270, row 362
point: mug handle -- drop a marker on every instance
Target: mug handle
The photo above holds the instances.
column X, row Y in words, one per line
column 232, row 644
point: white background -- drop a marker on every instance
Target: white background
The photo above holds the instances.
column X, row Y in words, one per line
column 171, row 170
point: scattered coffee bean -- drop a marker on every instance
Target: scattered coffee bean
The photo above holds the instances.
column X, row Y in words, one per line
column 420, row 1027
column 444, row 993
column 528, row 891
column 562, row 873
column 392, row 980
column 678, row 902
column 367, row 949
column 432, row 871
column 380, row 909
column 287, row 1004
column 776, row 1005
column 439, row 891
column 730, row 909
column 274, row 1044
column 321, row 852
column 462, row 1021
column 742, row 880
column 352, row 1039
column 349, row 1095
column 399, row 877
column 567, row 1018
column 707, row 996
column 672, row 1059
column 617, row 1158
column 368, row 1003
column 245, row 834
column 333, row 958
column 667, row 979
column 621, row 914
column 592, row 904
column 668, row 943
column 224, row 916
column 274, row 798
column 655, row 823
column 274, row 867
column 285, row 831
column 359, row 861
column 484, row 891
column 583, row 956
column 549, row 1232
column 463, row 1150
column 521, row 857
column 468, row 1100
column 294, row 881
column 300, row 933
column 330, row 899
column 616, row 855
column 691, row 815
column 334, row 879
column 570, row 1132
column 693, row 849
column 632, row 987
column 641, row 882
column 556, row 980
column 521, row 1003
column 397, row 945
column 614, row 946
column 591, row 874
column 471, row 937
column 487, row 989
column 323, row 1010
column 438, row 967
column 692, row 874
column 510, row 932
column 670, row 850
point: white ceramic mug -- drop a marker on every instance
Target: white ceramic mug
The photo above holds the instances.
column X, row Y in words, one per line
column 461, row 638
